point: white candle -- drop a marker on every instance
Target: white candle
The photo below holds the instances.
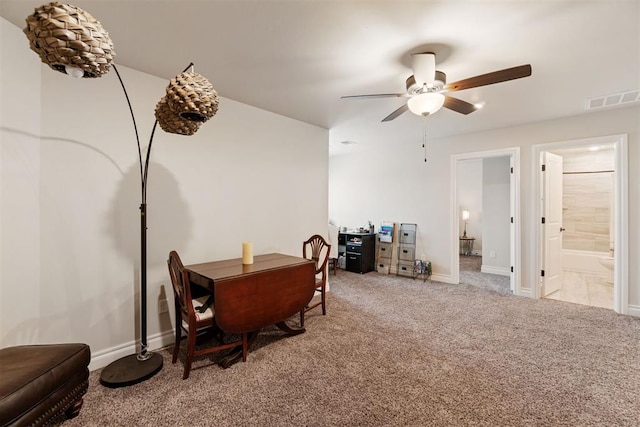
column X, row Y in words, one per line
column 247, row 253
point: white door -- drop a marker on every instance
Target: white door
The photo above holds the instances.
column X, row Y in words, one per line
column 512, row 226
column 552, row 226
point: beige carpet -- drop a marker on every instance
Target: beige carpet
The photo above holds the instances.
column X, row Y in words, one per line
column 470, row 263
column 401, row 352
column 470, row 274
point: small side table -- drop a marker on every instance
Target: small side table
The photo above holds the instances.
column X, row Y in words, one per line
column 466, row 245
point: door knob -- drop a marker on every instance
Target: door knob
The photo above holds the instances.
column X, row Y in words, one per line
column 561, row 229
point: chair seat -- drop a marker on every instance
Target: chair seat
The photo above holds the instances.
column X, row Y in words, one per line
column 201, row 318
column 199, row 302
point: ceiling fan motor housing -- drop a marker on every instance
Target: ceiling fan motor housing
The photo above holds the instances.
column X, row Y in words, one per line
column 413, row 88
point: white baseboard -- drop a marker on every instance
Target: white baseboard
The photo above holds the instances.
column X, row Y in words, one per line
column 495, row 270
column 525, row 293
column 442, row 278
column 633, row 310
column 105, row 357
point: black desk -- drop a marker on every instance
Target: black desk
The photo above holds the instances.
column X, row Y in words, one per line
column 359, row 250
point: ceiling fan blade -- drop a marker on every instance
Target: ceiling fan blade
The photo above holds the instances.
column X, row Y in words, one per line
column 458, row 105
column 376, row 95
column 396, row 113
column 424, row 67
column 490, row 78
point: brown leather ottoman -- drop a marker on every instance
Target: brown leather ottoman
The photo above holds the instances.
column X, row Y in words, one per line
column 42, row 384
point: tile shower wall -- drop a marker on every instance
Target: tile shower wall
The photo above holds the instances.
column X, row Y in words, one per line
column 587, row 199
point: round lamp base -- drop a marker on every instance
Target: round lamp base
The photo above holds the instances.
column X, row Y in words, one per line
column 129, row 370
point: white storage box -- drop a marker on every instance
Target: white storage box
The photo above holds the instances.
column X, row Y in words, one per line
column 382, row 268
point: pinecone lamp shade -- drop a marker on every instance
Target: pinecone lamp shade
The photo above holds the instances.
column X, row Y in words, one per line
column 192, row 97
column 69, row 40
column 171, row 122
column 190, row 100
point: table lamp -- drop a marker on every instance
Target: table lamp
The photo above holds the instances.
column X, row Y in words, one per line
column 465, row 217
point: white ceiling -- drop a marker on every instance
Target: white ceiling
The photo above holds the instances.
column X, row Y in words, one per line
column 298, row 57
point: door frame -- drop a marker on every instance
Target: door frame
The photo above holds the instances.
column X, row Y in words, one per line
column 514, row 159
column 621, row 219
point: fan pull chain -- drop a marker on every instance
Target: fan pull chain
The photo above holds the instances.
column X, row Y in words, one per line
column 424, row 139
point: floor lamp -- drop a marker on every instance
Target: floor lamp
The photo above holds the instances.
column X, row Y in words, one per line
column 73, row 42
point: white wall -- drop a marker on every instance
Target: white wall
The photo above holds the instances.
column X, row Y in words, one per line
column 19, row 187
column 496, row 216
column 397, row 184
column 71, row 194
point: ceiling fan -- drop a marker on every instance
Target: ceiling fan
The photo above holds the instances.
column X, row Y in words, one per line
column 427, row 88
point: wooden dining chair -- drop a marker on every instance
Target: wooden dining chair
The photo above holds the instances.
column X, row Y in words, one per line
column 195, row 316
column 334, row 232
column 317, row 249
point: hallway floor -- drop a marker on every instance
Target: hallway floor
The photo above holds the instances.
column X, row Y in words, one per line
column 577, row 288
column 470, row 274
column 580, row 288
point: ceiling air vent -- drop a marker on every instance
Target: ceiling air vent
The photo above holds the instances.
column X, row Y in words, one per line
column 613, row 99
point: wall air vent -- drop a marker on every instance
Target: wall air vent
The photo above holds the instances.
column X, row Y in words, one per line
column 613, row 99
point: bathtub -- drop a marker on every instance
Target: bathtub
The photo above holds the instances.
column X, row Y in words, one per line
column 584, row 262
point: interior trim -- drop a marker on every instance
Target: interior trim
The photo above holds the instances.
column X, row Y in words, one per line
column 514, row 154
column 621, row 214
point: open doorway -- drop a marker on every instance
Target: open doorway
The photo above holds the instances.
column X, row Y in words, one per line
column 485, row 232
column 582, row 245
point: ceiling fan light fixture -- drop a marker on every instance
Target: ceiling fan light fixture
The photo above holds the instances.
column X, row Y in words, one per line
column 426, row 103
